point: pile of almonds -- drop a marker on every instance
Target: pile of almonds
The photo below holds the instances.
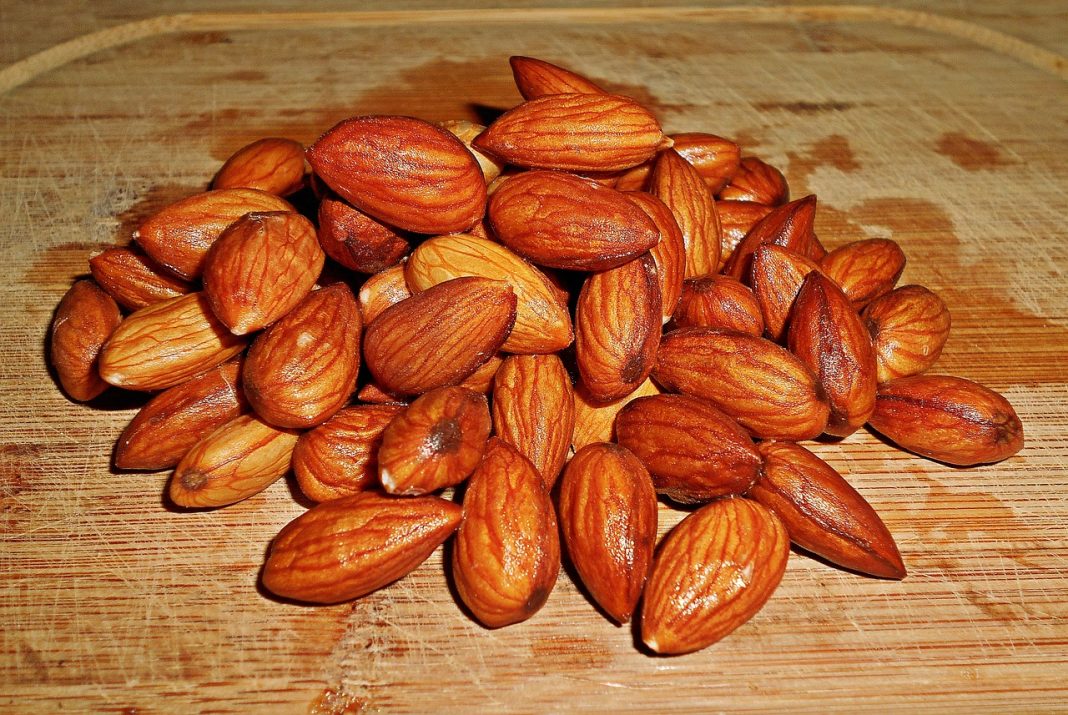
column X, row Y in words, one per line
column 650, row 314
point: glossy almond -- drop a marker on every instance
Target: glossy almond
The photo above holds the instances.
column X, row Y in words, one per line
column 273, row 164
column 716, row 159
column 596, row 421
column 766, row 389
column 260, row 268
column 339, row 458
column 439, row 337
column 865, row 269
column 675, row 182
column 789, row 226
column 534, row 410
column 669, row 253
column 776, row 277
column 537, row 78
column 719, row 302
column 133, row 279
column 179, row 236
column 172, row 422
column 84, row 320
column 574, row 132
column 481, row 380
column 435, row 443
column 542, row 322
column 507, row 550
column 402, row 171
column 466, row 132
column 382, row 290
column 694, row 451
column 712, row 573
column 303, row 368
column 357, row 241
column 241, row 458
column 756, row 181
column 949, row 419
column 564, row 221
column 909, row 327
column 736, row 218
column 823, row 513
column 828, row 336
column 373, row 394
column 617, row 328
column 608, row 515
column 167, row 343
column 349, row 547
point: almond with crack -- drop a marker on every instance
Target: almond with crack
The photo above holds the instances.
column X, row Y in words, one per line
column 716, row 159
column 719, row 302
column 909, row 327
column 865, row 269
column 357, row 241
column 756, row 181
column 596, row 421
column 382, row 290
column 272, row 164
column 736, row 218
column 537, row 78
column 133, row 279
column 776, row 277
column 669, row 254
column 84, row 320
column 789, row 226
column 675, row 182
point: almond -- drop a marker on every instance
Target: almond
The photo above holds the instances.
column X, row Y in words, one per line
column 716, row 159
column 439, row 337
column 822, row 513
column 766, row 389
column 382, row 290
column 909, row 327
column 949, row 419
column 172, row 422
column 828, row 336
column 634, row 179
column 534, row 410
column 757, row 181
column 574, row 132
column 349, row 547
column 374, row 394
column 435, row 443
column 357, row 241
column 565, row 221
column 617, row 328
column 179, row 236
column 241, row 458
column 712, row 573
column 273, row 164
column 542, row 323
column 595, row 421
column 167, row 343
column 133, row 279
column 339, row 458
column 675, row 182
column 402, row 171
column 736, row 219
column 669, row 254
column 507, row 551
column 84, row 320
column 694, row 452
column 481, row 380
column 865, row 269
column 536, row 78
column 776, row 277
column 789, row 226
column 719, row 302
column 608, row 515
column 303, row 368
column 466, row 132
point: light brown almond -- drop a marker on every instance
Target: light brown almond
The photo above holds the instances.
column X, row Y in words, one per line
column 272, row 164
column 776, row 277
column 865, row 269
column 382, row 290
column 466, row 132
column 675, row 182
column 756, row 181
column 133, row 279
column 909, row 327
column 736, row 218
column 595, row 421
column 789, row 226
column 719, row 302
column 716, row 159
column 669, row 253
column 536, row 78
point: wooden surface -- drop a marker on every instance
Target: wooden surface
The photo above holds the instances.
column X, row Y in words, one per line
column 955, row 149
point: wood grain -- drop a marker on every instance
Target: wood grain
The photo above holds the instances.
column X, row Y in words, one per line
column 111, row 602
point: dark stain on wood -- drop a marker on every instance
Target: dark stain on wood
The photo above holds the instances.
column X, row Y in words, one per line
column 969, row 153
column 833, row 151
column 804, row 108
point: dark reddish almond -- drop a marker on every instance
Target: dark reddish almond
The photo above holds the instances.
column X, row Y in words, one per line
column 357, row 241
column 133, row 279
column 536, row 78
column 719, row 302
column 84, row 320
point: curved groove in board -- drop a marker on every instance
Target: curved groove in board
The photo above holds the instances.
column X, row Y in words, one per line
column 37, row 64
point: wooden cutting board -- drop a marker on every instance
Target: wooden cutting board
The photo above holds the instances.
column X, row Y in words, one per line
column 949, row 141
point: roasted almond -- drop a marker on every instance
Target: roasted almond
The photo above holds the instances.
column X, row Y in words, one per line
column 133, row 279
column 357, row 241
column 349, row 547
column 402, row 171
column 776, row 277
column 719, row 302
column 789, row 226
column 909, row 327
column 481, row 380
column 565, row 221
column 608, row 515
column 669, row 254
column 382, row 290
column 712, row 573
column 865, row 269
column 373, row 394
column 949, row 419
column 635, row 178
column 766, row 389
column 466, row 132
column 595, row 421
column 675, row 182
column 756, row 181
column 84, row 320
column 822, row 513
column 736, row 218
column 537, row 78
column 716, row 159
column 273, row 164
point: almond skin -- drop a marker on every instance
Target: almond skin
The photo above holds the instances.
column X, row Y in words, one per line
column 273, row 164
column 865, row 269
column 716, row 159
column 828, row 336
column 675, row 182
column 766, row 389
column 133, row 279
column 669, row 254
column 167, row 343
column 719, row 302
column 776, row 277
column 608, row 515
column 542, row 322
column 241, row 458
column 736, row 218
column 822, row 513
column 84, row 320
column 382, row 290
column 439, row 337
column 179, row 236
column 789, row 226
column 948, row 419
column 176, row 419
column 756, row 181
column 357, row 241
column 595, row 421
column 909, row 327
column 534, row 410
column 537, row 78
column 402, row 171
column 260, row 268
column 695, row 452
column 574, row 132
column 339, row 458
column 565, row 221
column 303, row 368
column 712, row 573
column 349, row 547
column 435, row 443
column 507, row 551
